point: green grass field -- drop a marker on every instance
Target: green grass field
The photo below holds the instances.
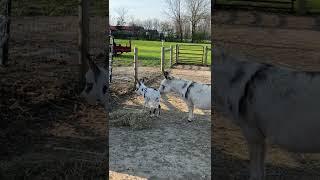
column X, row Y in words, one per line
column 149, row 52
column 314, row 5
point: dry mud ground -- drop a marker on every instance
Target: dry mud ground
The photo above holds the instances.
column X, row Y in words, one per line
column 278, row 39
column 172, row 148
column 47, row 131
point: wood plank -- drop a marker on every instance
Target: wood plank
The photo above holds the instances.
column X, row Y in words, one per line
column 4, row 22
column 3, row 40
column 3, row 3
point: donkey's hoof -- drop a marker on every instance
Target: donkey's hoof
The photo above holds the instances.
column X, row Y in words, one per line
column 189, row 120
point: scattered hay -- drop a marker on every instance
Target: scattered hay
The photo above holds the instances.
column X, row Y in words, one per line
column 47, row 169
column 133, row 118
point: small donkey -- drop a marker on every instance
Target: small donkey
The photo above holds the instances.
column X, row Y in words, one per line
column 194, row 94
column 151, row 96
column 269, row 103
column 96, row 87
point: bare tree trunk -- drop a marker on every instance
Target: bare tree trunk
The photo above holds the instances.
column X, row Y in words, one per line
column 175, row 13
column 197, row 10
column 193, row 31
column 181, row 32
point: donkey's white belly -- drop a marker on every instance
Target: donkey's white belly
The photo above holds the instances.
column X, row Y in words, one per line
column 201, row 97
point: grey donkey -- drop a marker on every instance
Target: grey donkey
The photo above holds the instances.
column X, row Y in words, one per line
column 268, row 102
column 95, row 91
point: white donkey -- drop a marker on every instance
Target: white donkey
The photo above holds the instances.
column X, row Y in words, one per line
column 196, row 95
column 95, row 91
column 151, row 96
column 268, row 102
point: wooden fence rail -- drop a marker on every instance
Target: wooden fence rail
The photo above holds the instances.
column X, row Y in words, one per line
column 5, row 15
column 191, row 54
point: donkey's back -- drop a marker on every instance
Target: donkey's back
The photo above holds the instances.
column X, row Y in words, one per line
column 286, row 105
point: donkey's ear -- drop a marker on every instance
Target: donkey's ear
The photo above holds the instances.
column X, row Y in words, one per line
column 137, row 80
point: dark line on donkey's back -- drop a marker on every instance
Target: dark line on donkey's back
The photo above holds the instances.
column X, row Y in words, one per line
column 184, row 85
column 188, row 89
column 238, row 76
column 258, row 76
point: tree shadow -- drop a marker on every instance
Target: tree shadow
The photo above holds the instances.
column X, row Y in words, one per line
column 167, row 103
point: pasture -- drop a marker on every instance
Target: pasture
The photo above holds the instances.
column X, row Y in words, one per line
column 149, row 52
column 284, row 40
column 163, row 147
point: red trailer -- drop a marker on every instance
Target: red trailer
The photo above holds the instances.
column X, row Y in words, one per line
column 119, row 49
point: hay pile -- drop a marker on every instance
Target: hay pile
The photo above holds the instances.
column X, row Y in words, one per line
column 133, row 118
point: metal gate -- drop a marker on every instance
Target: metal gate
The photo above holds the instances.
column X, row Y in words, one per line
column 191, row 54
column 4, row 30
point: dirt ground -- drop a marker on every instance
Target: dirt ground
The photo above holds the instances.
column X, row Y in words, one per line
column 47, row 131
column 279, row 39
column 172, row 148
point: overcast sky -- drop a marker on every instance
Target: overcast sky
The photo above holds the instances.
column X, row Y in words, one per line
column 140, row 9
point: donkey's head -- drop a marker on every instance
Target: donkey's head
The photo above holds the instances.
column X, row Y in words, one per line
column 167, row 83
column 140, row 86
column 231, row 72
column 96, row 84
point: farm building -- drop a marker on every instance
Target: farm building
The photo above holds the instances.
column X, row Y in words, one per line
column 136, row 32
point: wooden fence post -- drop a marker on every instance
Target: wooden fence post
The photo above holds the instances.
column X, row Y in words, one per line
column 4, row 51
column 302, row 9
column 171, row 55
column 177, row 53
column 110, row 60
column 162, row 59
column 206, row 55
column 135, row 65
column 83, row 39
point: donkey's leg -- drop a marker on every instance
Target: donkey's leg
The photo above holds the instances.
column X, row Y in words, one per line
column 154, row 111
column 151, row 112
column 145, row 106
column 159, row 109
column 190, row 109
column 257, row 152
column 257, row 156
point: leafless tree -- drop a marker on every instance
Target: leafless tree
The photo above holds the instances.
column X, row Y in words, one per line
column 156, row 24
column 174, row 11
column 196, row 10
column 204, row 27
column 132, row 21
column 122, row 16
column 166, row 27
column 186, row 28
column 147, row 24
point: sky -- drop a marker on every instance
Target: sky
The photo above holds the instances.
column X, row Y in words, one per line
column 140, row 9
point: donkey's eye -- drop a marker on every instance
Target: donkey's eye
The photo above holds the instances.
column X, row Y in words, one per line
column 89, row 87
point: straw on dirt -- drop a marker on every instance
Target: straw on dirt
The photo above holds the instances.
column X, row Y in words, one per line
column 133, row 118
